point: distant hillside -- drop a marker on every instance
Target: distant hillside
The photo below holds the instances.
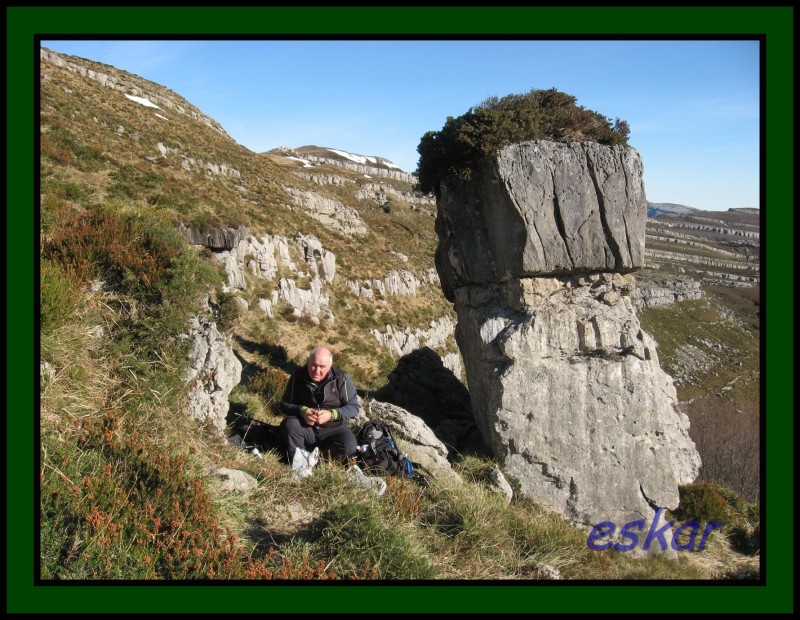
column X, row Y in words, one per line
column 339, row 155
column 667, row 208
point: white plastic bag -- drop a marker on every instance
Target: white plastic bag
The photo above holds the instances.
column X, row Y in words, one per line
column 303, row 462
column 374, row 482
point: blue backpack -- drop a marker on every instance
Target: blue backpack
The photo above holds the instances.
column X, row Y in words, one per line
column 378, row 454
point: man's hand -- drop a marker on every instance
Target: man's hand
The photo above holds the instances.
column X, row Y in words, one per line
column 315, row 417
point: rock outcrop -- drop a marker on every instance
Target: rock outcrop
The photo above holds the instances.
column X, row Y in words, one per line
column 332, row 213
column 402, row 342
column 414, row 437
column 215, row 237
column 362, row 168
column 214, row 372
column 566, row 387
column 665, row 292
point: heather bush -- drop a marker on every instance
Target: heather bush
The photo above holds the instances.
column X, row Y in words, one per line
column 701, row 502
column 101, row 244
column 463, row 142
column 115, row 506
column 63, row 147
column 228, row 311
column 269, row 384
column 142, row 260
column 743, row 527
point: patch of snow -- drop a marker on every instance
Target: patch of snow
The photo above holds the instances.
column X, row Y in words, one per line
column 359, row 159
column 159, row 116
column 306, row 163
column 142, row 100
column 366, row 176
column 362, row 159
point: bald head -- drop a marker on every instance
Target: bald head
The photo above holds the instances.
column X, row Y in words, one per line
column 319, row 363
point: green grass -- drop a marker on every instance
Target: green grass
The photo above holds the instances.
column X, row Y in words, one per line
column 361, row 536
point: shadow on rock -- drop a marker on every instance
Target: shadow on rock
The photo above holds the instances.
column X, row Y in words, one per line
column 423, row 386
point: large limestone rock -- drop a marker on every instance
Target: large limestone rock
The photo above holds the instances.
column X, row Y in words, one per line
column 566, row 387
column 543, row 208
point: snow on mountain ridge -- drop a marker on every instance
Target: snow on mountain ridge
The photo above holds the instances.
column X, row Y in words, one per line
column 363, row 159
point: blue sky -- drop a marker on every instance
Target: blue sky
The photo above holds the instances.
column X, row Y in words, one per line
column 693, row 106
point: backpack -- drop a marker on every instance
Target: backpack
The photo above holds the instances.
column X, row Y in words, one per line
column 378, row 454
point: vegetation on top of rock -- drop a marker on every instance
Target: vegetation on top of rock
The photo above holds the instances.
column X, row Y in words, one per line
column 484, row 129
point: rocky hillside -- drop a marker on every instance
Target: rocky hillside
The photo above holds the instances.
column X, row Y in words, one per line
column 709, row 341
column 318, row 245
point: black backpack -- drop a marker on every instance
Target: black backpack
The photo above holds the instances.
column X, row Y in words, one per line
column 378, row 454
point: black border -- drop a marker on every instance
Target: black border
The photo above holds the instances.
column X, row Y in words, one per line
column 773, row 24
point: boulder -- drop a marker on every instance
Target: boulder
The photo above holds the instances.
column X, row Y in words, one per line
column 215, row 238
column 414, row 437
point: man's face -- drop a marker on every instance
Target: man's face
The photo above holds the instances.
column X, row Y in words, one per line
column 318, row 366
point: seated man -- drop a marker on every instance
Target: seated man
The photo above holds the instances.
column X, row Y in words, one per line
column 317, row 402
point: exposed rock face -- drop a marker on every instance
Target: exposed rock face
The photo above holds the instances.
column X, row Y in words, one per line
column 331, row 213
column 666, row 292
column 543, row 208
column 215, row 371
column 214, row 238
column 566, row 387
column 363, row 169
column 406, row 341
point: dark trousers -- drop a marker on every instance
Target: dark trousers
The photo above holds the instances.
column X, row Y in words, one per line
column 336, row 440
